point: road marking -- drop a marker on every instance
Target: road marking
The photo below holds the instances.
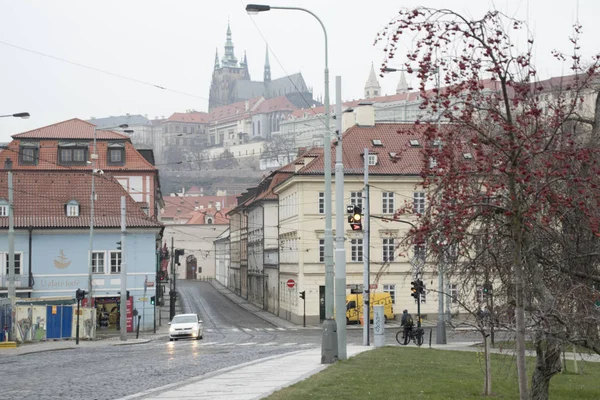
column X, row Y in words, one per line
column 289, row 344
column 225, row 344
column 247, row 344
column 208, row 343
column 247, row 329
column 281, row 329
column 270, row 329
column 268, row 344
column 235, row 329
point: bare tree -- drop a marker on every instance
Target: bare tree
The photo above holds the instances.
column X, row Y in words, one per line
column 510, row 165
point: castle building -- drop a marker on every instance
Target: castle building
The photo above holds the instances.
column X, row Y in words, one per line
column 231, row 82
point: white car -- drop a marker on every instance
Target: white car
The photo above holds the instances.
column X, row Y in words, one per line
column 185, row 325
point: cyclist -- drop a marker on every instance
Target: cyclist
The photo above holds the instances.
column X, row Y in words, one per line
column 407, row 323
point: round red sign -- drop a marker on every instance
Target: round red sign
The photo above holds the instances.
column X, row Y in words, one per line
column 291, row 283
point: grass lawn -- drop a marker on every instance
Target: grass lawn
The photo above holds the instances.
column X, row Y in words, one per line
column 422, row 373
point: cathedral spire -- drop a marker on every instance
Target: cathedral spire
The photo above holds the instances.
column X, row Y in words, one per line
column 402, row 85
column 217, row 59
column 372, row 88
column 244, row 64
column 229, row 59
column 267, row 74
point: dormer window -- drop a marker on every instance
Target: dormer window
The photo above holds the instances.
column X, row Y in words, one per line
column 377, row 142
column 414, row 143
column 209, row 220
column 72, row 209
column 3, row 208
column 372, row 159
column 116, row 154
column 28, row 153
column 72, row 153
column 467, row 156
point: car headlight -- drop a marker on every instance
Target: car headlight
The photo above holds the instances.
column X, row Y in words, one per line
column 171, row 330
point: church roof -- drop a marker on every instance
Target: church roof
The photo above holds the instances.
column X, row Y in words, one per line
column 245, row 90
column 372, row 82
column 288, row 84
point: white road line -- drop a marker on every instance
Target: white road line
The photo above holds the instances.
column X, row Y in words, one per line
column 281, row 329
column 247, row 344
column 208, row 343
column 289, row 344
column 247, row 329
column 270, row 329
column 225, row 344
column 267, row 344
column 235, row 329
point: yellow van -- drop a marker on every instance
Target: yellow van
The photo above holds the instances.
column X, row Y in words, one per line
column 355, row 305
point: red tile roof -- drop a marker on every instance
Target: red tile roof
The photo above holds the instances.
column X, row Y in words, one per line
column 357, row 138
column 191, row 117
column 40, row 199
column 280, row 103
column 234, row 111
column 219, row 217
column 180, row 206
column 71, row 129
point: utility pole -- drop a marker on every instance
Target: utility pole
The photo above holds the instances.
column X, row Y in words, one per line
column 123, row 305
column 11, row 239
column 367, row 271
column 340, row 250
column 93, row 157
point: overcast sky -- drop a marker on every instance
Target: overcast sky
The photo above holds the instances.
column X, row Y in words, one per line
column 171, row 43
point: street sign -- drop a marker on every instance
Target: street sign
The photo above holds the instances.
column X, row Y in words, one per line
column 143, row 299
column 150, row 284
column 291, row 283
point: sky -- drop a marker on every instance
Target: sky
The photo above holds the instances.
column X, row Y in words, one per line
column 61, row 59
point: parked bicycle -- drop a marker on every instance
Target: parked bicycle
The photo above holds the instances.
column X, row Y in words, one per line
column 415, row 334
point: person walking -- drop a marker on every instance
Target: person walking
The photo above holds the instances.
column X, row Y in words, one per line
column 407, row 323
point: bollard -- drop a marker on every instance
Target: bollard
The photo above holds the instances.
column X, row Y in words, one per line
column 379, row 325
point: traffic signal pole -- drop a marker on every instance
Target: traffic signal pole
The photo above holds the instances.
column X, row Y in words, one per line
column 123, row 305
column 172, row 282
column 340, row 250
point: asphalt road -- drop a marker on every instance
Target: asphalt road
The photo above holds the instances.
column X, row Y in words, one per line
column 232, row 336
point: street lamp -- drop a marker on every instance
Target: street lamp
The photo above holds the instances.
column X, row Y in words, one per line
column 23, row 115
column 329, row 347
column 94, row 158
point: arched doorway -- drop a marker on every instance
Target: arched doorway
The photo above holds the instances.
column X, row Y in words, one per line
column 191, row 267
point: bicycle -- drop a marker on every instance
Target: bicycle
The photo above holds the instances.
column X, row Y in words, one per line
column 415, row 334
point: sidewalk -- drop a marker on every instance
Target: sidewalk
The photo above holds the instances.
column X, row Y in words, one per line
column 252, row 380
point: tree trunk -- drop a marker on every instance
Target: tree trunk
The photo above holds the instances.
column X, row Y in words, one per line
column 487, row 388
column 547, row 365
column 520, row 324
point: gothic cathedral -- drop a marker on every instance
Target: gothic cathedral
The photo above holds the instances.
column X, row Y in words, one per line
column 231, row 82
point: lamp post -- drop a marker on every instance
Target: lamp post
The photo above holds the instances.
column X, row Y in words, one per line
column 23, row 115
column 94, row 158
column 329, row 346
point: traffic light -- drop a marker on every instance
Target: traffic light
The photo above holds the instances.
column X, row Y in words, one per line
column 355, row 217
column 178, row 252
column 119, row 245
column 80, row 294
column 303, row 294
column 162, row 275
column 414, row 289
column 487, row 288
column 420, row 287
column 152, row 300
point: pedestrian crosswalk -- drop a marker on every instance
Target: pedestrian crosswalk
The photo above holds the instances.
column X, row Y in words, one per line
column 230, row 329
column 257, row 344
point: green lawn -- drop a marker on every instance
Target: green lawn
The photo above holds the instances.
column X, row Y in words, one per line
column 422, row 373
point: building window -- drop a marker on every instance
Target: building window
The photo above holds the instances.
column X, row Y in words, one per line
column 72, row 209
column 356, row 250
column 321, row 250
column 17, row 263
column 372, row 159
column 115, row 262
column 356, row 199
column 388, row 249
column 454, row 293
column 321, row 203
column 419, row 252
column 72, row 155
column 98, row 262
column 116, row 156
column 418, row 202
column 387, row 203
column 28, row 154
column 3, row 208
column 391, row 289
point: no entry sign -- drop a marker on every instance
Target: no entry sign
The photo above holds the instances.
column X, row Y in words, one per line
column 291, row 283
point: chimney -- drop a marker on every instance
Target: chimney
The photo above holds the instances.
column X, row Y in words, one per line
column 365, row 114
column 210, row 204
column 218, row 206
column 348, row 119
column 8, row 164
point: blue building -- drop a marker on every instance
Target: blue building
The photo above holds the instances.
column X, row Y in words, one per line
column 52, row 242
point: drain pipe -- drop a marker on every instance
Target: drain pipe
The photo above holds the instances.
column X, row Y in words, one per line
column 31, row 281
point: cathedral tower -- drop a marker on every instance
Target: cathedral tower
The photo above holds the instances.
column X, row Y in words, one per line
column 372, row 87
column 225, row 74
